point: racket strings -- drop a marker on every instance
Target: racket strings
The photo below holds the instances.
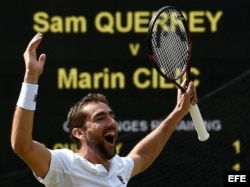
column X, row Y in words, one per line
column 170, row 44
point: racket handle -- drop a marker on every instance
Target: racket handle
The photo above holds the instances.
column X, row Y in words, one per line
column 198, row 122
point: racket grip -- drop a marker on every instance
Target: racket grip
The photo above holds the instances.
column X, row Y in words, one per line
column 198, row 122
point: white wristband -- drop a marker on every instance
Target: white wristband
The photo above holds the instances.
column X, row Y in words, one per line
column 27, row 97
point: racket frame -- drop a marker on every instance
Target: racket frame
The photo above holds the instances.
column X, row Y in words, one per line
column 152, row 58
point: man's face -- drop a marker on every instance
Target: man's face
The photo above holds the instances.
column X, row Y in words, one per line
column 101, row 129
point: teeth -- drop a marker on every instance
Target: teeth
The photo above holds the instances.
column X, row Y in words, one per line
column 109, row 137
column 110, row 134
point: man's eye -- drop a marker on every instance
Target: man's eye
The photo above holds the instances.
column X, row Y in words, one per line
column 112, row 116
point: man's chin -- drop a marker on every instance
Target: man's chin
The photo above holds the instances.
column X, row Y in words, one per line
column 110, row 154
column 108, row 151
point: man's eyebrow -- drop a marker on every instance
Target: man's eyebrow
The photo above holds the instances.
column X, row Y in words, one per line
column 111, row 113
column 103, row 113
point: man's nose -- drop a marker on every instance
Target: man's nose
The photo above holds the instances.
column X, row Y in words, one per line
column 112, row 121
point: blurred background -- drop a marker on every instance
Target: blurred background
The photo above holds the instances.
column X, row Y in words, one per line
column 100, row 46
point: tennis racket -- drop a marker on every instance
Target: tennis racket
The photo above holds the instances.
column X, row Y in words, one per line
column 170, row 49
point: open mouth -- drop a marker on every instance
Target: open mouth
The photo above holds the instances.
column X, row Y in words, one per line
column 110, row 137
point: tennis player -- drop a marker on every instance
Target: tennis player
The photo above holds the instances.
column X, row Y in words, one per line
column 93, row 128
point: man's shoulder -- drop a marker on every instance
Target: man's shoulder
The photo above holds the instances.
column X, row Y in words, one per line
column 65, row 153
column 122, row 159
column 64, row 150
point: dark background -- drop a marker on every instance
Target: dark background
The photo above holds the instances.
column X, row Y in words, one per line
column 221, row 57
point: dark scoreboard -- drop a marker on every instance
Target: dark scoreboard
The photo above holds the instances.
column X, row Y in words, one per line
column 100, row 46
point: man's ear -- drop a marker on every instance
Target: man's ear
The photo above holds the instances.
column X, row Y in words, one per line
column 78, row 133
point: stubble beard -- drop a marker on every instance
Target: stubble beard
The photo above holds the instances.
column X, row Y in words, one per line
column 106, row 154
column 101, row 150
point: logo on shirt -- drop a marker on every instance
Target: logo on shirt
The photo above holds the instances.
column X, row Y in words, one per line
column 121, row 179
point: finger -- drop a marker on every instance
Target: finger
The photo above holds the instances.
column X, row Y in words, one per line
column 34, row 43
column 184, row 85
column 190, row 86
column 192, row 93
column 42, row 59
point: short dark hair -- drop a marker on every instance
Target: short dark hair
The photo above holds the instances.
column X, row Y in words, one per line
column 76, row 117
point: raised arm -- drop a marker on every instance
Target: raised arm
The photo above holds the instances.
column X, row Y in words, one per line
column 149, row 148
column 33, row 153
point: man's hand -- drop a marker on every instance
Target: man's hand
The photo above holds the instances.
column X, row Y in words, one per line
column 185, row 99
column 34, row 66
